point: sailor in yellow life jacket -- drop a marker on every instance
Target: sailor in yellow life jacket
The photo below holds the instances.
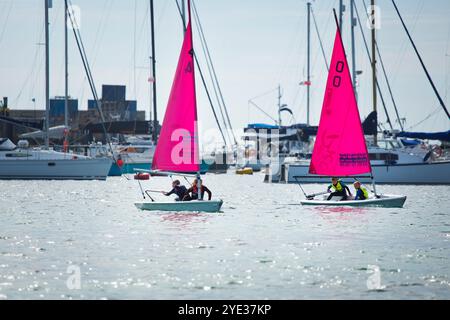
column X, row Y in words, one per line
column 339, row 189
column 361, row 192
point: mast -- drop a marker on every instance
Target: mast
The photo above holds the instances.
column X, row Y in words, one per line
column 279, row 106
column 66, row 63
column 202, row 77
column 366, row 46
column 199, row 177
column 47, row 76
column 374, row 64
column 341, row 13
column 353, row 25
column 308, row 83
column 153, row 60
column 183, row 14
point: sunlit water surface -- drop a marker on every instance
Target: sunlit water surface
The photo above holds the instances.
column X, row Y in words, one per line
column 263, row 244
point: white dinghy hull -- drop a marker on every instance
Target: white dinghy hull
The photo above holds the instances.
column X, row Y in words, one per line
column 385, row 201
column 181, row 206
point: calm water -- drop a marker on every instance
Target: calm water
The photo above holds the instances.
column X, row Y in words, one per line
column 263, row 245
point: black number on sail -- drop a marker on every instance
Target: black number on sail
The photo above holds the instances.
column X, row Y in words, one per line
column 337, row 79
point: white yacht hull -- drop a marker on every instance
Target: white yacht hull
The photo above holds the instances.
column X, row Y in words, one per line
column 414, row 173
column 60, row 169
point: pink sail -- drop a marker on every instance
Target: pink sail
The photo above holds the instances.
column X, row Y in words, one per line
column 340, row 148
column 177, row 149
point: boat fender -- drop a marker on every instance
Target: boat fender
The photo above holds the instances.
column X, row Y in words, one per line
column 427, row 156
column 437, row 151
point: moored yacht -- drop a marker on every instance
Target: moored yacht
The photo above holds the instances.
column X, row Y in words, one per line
column 24, row 163
column 391, row 164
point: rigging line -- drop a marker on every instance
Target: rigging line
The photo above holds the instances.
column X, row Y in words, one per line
column 388, row 119
column 89, row 75
column 326, row 28
column 422, row 63
column 27, row 128
column 212, row 79
column 203, row 80
column 313, row 77
column 101, row 30
column 37, row 72
column 264, row 94
column 98, row 38
column 2, row 33
column 293, row 47
column 209, row 98
column 95, row 47
column 447, row 55
column 203, row 43
column 52, row 25
column 250, row 102
column 162, row 13
column 385, row 73
column 403, row 48
column 143, row 51
column 214, row 73
column 181, row 14
column 320, row 39
column 134, row 48
column 425, row 119
column 27, row 79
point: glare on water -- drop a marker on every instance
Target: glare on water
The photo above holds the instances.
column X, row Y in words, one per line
column 86, row 240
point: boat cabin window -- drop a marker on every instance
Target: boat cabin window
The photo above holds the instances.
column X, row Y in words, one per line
column 17, row 155
column 385, row 156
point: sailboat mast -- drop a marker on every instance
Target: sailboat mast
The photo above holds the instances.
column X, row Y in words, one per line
column 199, row 178
column 353, row 25
column 279, row 106
column 341, row 13
column 47, row 76
column 308, row 83
column 66, row 77
column 153, row 58
column 183, row 14
column 374, row 64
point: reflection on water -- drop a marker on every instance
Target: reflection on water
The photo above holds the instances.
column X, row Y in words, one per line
column 340, row 213
column 183, row 220
column 263, row 245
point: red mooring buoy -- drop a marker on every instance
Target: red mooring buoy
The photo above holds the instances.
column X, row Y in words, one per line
column 142, row 176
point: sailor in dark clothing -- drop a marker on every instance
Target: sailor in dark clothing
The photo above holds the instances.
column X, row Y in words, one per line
column 339, row 189
column 192, row 193
column 177, row 189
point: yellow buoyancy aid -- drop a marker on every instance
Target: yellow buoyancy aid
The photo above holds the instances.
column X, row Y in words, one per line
column 338, row 187
column 365, row 193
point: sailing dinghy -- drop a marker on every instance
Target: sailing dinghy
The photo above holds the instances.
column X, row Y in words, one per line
column 386, row 201
column 340, row 149
column 177, row 151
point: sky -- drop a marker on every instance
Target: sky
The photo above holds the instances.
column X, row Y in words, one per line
column 255, row 45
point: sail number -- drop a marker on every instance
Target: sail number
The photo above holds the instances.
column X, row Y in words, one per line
column 337, row 78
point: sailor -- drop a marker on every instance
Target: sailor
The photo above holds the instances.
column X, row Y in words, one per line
column 192, row 193
column 339, row 189
column 361, row 192
column 177, row 189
